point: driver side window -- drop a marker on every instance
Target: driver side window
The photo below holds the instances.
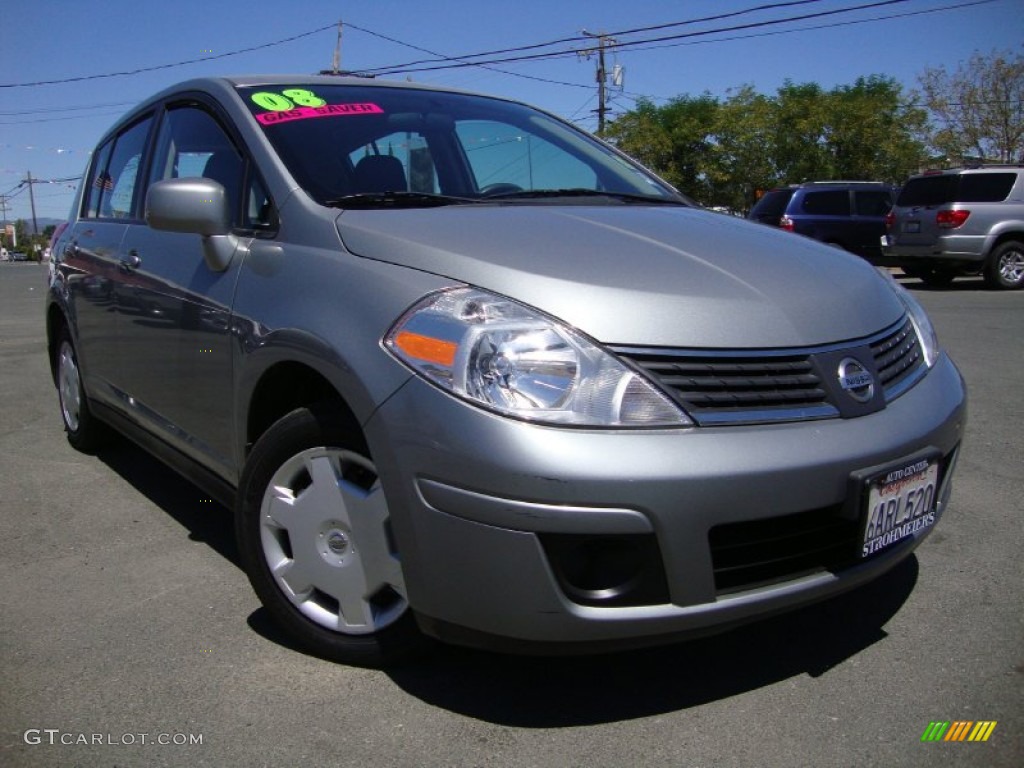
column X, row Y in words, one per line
column 192, row 143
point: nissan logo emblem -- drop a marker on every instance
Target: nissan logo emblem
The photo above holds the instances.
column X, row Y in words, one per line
column 856, row 380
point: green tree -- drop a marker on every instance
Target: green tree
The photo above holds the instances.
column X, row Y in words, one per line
column 722, row 153
column 978, row 110
column 674, row 140
column 741, row 164
column 872, row 131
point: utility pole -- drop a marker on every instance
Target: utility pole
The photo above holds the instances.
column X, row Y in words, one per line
column 603, row 41
column 32, row 201
column 336, row 59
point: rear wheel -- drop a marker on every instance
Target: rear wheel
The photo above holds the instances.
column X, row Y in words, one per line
column 314, row 532
column 84, row 432
column 1005, row 266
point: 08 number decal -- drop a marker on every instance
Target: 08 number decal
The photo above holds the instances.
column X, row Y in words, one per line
column 287, row 99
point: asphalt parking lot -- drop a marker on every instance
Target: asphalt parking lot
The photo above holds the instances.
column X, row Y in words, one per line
column 129, row 635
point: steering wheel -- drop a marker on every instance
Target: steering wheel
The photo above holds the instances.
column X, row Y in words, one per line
column 501, row 188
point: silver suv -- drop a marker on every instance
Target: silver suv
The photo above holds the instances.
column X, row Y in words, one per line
column 960, row 222
column 464, row 371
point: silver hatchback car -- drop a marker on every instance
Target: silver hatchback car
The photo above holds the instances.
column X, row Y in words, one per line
column 464, row 371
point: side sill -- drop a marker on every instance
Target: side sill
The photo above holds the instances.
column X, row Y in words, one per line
column 217, row 488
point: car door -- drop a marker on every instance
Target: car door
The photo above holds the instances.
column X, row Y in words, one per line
column 175, row 343
column 92, row 259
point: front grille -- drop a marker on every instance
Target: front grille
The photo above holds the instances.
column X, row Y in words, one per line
column 785, row 386
column 899, row 360
column 759, row 386
column 756, row 552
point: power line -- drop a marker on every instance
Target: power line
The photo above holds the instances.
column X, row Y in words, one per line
column 10, row 113
column 156, row 67
column 442, row 57
column 850, row 23
column 401, row 69
column 577, row 38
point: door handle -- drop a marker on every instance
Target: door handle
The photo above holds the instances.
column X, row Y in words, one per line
column 131, row 262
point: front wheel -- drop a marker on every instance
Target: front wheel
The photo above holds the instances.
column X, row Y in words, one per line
column 314, row 532
column 1005, row 266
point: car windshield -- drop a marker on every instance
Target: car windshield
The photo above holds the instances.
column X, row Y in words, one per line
column 378, row 145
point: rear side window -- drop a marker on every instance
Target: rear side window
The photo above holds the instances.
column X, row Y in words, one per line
column 99, row 181
column 831, row 203
column 872, row 202
column 113, row 187
column 773, row 203
column 957, row 188
column 984, row 187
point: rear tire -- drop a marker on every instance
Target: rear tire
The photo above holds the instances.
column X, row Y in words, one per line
column 84, row 432
column 1004, row 268
column 314, row 535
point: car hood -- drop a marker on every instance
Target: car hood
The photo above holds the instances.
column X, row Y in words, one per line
column 640, row 275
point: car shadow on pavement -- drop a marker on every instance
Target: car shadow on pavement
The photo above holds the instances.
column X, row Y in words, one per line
column 960, row 284
column 205, row 520
column 556, row 692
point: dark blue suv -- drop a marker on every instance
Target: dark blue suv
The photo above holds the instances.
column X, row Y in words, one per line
column 847, row 214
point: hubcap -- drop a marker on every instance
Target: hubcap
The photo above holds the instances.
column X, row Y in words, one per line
column 69, row 386
column 324, row 529
column 1011, row 266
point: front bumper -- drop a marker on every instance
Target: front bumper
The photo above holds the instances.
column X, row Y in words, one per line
column 476, row 498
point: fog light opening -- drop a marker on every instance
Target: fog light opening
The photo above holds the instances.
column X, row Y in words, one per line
column 608, row 570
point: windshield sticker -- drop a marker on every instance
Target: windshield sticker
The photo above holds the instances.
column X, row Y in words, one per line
column 328, row 110
column 301, row 104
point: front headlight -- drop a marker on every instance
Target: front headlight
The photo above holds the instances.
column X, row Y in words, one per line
column 512, row 359
column 925, row 332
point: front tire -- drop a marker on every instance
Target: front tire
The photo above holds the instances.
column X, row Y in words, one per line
column 314, row 534
column 1005, row 266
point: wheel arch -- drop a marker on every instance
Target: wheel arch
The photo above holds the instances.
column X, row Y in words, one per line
column 288, row 385
column 1007, row 235
column 56, row 321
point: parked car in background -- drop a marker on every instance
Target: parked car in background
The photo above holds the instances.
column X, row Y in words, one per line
column 17, row 256
column 464, row 371
column 962, row 221
column 846, row 214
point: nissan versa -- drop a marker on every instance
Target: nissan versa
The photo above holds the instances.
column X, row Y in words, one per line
column 463, row 371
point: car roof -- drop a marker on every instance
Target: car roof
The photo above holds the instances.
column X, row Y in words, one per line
column 995, row 168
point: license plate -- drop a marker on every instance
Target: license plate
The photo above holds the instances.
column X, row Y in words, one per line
column 900, row 504
column 912, row 227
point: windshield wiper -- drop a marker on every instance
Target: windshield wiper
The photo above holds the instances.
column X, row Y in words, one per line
column 625, row 197
column 400, row 199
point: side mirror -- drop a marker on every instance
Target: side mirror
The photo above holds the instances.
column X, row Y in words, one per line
column 199, row 206
column 194, row 206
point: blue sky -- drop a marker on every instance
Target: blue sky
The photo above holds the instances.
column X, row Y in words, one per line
column 50, row 129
